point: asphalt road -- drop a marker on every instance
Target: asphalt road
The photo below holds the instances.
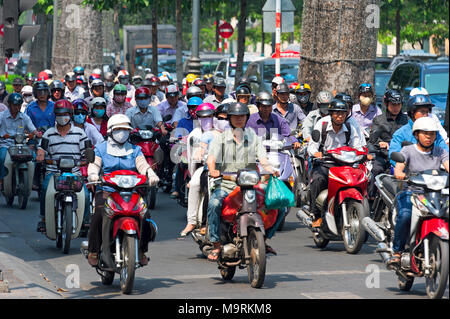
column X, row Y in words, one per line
column 35, row 268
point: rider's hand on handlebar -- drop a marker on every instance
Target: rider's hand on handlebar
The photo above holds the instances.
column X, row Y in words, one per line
column 400, row 176
column 40, row 155
column 214, row 173
column 297, row 145
column 384, row 145
column 318, row 155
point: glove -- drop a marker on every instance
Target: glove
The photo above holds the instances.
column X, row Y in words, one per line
column 153, row 179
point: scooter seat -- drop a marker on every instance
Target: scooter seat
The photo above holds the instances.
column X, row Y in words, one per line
column 390, row 185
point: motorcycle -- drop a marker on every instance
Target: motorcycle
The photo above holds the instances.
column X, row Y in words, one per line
column 18, row 180
column 344, row 203
column 63, row 212
column 148, row 141
column 165, row 170
column 123, row 221
column 428, row 254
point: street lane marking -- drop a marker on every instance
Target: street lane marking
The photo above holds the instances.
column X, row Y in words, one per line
column 331, row 295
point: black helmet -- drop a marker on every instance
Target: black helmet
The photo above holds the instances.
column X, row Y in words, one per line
column 57, row 84
column 194, row 91
column 40, row 86
column 365, row 87
column 283, row 88
column 222, row 108
column 244, row 82
column 418, row 101
column 393, row 96
column 15, row 98
column 264, row 98
column 219, row 82
column 242, row 90
column 237, row 108
column 338, row 105
column 344, row 97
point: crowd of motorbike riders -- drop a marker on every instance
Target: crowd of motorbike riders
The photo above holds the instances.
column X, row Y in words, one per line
column 106, row 109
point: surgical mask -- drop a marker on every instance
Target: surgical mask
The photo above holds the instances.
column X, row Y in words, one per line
column 143, row 104
column 120, row 136
column 221, row 125
column 28, row 98
column 98, row 113
column 206, row 123
column 62, row 120
column 365, row 100
column 79, row 118
column 303, row 99
column 120, row 98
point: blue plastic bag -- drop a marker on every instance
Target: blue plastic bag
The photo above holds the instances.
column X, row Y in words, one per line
column 278, row 195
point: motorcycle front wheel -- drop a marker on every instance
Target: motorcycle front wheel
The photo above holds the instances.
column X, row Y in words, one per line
column 23, row 189
column 355, row 236
column 67, row 227
column 439, row 258
column 320, row 241
column 129, row 263
column 151, row 197
column 228, row 273
column 257, row 250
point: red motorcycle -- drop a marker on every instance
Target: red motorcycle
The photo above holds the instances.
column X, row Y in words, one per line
column 148, row 141
column 124, row 217
column 344, row 203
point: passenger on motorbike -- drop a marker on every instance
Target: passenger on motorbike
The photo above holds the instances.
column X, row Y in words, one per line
column 64, row 139
column 323, row 101
column 291, row 112
column 80, row 113
column 234, row 149
column 334, row 132
column 98, row 116
column 143, row 114
column 116, row 153
column 12, row 121
column 198, row 143
column 27, row 94
column 118, row 105
column 421, row 156
column 383, row 127
column 418, row 106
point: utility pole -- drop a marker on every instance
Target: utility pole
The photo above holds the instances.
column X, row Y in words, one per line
column 194, row 65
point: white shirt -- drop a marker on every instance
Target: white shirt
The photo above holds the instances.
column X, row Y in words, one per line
column 93, row 133
column 77, row 93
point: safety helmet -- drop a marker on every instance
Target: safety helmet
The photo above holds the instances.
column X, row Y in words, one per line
column 137, row 80
column 27, row 89
column 142, row 93
column 324, row 97
column 337, row 105
column 418, row 90
column 15, row 98
column 264, row 98
column 155, row 81
column 277, row 80
column 242, row 90
column 118, row 121
column 237, row 108
column 302, row 87
column 71, row 76
column 63, row 106
column 222, row 108
column 49, row 72
column 81, row 79
column 78, row 70
column 208, row 78
column 123, row 77
column 93, row 77
column 43, row 76
column 57, row 85
column 194, row 91
column 199, row 82
column 18, row 81
column 426, row 124
column 282, row 88
column 205, row 109
column 292, row 87
column 29, row 76
column 80, row 104
column 417, row 101
column 164, row 78
column 194, row 101
column 344, row 97
column 120, row 89
column 191, row 77
column 98, row 101
column 40, row 86
column 97, row 83
column 97, row 71
column 364, row 88
column 219, row 82
column 172, row 91
column 393, row 96
column 109, row 76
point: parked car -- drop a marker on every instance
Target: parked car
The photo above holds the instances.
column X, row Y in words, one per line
column 412, row 56
column 226, row 68
column 432, row 76
column 382, row 63
column 381, row 80
column 261, row 73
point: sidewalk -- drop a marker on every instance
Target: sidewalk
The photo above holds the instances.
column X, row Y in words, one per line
column 23, row 280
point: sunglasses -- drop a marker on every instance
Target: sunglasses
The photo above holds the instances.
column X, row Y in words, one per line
column 78, row 112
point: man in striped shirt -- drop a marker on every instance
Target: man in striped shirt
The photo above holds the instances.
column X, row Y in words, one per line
column 65, row 140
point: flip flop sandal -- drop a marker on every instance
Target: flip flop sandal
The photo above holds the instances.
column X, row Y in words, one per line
column 214, row 254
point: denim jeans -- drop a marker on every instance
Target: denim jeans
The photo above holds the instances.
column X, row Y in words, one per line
column 3, row 151
column 403, row 222
column 214, row 213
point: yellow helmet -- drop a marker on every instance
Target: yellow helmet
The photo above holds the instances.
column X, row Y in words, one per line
column 190, row 77
column 303, row 87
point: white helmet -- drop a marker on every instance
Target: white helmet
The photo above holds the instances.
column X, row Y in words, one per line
column 118, row 121
column 419, row 90
column 278, row 80
column 426, row 124
column 27, row 89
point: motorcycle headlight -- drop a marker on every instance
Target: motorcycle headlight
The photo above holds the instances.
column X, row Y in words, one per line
column 19, row 138
column 125, row 181
column 145, row 134
column 66, row 163
column 248, row 178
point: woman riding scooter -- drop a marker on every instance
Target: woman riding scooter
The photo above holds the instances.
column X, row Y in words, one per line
column 116, row 153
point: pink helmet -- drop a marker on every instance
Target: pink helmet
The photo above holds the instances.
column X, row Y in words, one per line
column 205, row 109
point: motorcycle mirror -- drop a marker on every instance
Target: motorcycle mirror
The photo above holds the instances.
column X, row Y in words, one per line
column 167, row 118
column 44, row 144
column 90, row 155
column 315, row 135
column 397, row 157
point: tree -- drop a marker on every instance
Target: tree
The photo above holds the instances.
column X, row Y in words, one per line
column 241, row 41
column 339, row 49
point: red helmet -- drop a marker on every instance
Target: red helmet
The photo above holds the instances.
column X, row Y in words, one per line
column 199, row 82
column 205, row 109
column 80, row 104
column 63, row 106
column 142, row 92
column 155, row 81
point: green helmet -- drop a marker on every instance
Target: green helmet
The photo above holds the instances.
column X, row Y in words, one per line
column 29, row 76
column 120, row 88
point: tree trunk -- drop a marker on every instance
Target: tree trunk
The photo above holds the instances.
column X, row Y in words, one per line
column 78, row 39
column 118, row 61
column 155, row 37
column 2, row 49
column 179, row 44
column 241, row 41
column 397, row 31
column 217, row 30
column 339, row 49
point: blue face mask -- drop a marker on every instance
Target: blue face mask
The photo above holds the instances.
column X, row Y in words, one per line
column 99, row 113
column 79, row 118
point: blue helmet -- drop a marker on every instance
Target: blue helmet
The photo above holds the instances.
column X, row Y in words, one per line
column 194, row 101
column 418, row 101
column 78, row 70
column 15, row 98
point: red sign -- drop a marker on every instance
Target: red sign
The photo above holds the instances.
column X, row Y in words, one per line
column 1, row 30
column 226, row 30
column 287, row 54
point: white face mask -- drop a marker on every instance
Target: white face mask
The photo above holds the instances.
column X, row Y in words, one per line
column 120, row 136
column 28, row 98
column 221, row 125
column 365, row 100
column 62, row 120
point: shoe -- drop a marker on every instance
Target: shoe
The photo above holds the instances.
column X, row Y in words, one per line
column 203, row 231
column 394, row 262
column 41, row 227
column 215, row 253
column 174, row 195
column 270, row 250
column 93, row 259
column 317, row 223
column 143, row 260
column 185, row 232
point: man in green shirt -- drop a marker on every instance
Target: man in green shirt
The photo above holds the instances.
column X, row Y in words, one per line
column 234, row 149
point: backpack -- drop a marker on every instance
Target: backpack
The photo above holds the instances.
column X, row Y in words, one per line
column 325, row 133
